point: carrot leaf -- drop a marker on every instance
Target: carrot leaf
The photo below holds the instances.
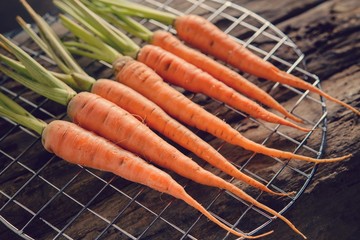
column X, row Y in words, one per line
column 20, row 68
column 26, row 27
column 36, row 71
column 91, row 46
column 68, row 80
column 13, row 111
column 125, row 22
column 14, row 64
column 59, row 95
column 138, row 10
column 115, row 16
column 108, row 33
column 50, row 42
column 10, row 104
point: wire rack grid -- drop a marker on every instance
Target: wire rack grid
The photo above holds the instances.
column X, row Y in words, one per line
column 43, row 197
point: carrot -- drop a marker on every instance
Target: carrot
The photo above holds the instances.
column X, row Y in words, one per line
column 181, row 73
column 208, row 38
column 106, row 119
column 152, row 86
column 231, row 78
column 157, row 119
column 170, row 43
column 88, row 111
column 205, row 36
column 140, row 78
column 131, row 101
column 75, row 145
column 78, row 146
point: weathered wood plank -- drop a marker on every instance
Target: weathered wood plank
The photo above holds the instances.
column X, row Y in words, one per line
column 328, row 34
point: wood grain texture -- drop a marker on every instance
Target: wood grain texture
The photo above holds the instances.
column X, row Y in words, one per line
column 327, row 32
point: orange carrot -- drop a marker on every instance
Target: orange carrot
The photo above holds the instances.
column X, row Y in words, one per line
column 131, row 101
column 108, row 120
column 170, row 43
column 174, row 69
column 149, row 84
column 157, row 119
column 205, row 36
column 231, row 78
column 181, row 73
column 141, row 78
column 75, row 145
column 202, row 34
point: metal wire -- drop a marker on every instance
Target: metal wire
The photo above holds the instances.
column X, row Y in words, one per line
column 103, row 203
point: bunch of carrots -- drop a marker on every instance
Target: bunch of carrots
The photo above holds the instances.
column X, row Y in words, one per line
column 107, row 135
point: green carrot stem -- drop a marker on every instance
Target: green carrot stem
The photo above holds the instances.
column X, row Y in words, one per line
column 138, row 10
column 13, row 111
column 84, row 49
column 59, row 95
column 14, row 64
column 30, row 123
column 52, row 42
column 36, row 71
column 119, row 18
column 36, row 77
column 20, row 68
column 10, row 104
column 26, row 27
column 128, row 24
column 85, row 82
column 113, row 36
column 78, row 16
column 92, row 46
column 68, row 79
column 4, row 47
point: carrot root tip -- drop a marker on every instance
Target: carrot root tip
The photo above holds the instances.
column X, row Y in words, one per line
column 304, row 129
column 286, row 194
column 266, row 234
column 259, row 236
column 338, row 159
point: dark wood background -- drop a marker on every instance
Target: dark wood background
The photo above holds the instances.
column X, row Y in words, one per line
column 327, row 32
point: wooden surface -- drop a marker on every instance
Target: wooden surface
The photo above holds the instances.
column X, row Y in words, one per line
column 327, row 32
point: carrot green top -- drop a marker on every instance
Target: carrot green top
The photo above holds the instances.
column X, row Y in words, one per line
column 50, row 43
column 121, row 19
column 99, row 27
column 34, row 76
column 138, row 10
column 91, row 46
column 93, row 41
column 13, row 111
column 51, row 83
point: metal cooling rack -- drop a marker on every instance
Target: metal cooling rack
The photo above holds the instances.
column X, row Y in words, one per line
column 43, row 197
